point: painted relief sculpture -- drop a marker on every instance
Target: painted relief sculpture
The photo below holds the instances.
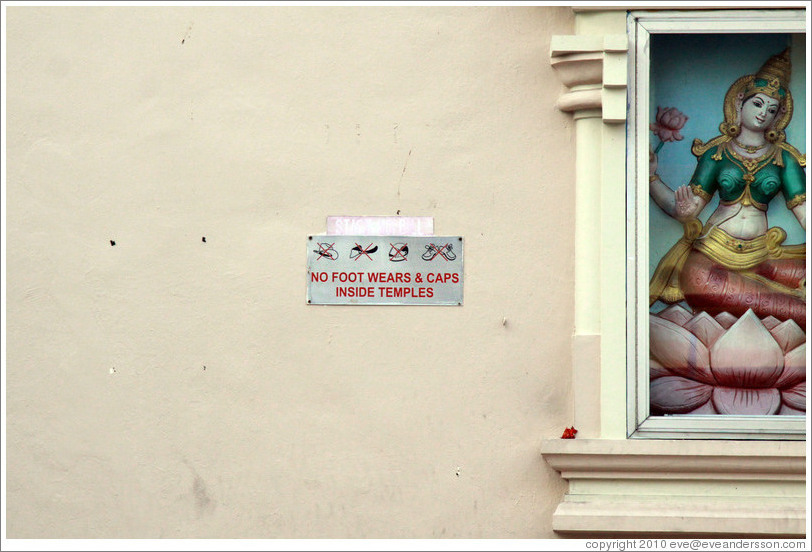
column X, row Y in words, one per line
column 739, row 346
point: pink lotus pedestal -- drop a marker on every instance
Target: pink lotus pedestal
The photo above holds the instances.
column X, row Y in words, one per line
column 723, row 365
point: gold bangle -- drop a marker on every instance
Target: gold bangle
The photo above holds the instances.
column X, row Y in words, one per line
column 795, row 201
column 653, row 177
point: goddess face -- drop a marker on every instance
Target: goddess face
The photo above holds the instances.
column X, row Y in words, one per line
column 759, row 112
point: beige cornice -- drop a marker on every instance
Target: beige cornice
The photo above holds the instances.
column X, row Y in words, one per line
column 666, row 459
column 680, row 488
column 673, row 7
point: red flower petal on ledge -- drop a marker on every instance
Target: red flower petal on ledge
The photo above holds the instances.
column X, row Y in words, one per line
column 569, row 433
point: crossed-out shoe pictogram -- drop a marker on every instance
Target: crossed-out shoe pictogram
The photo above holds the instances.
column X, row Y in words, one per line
column 433, row 251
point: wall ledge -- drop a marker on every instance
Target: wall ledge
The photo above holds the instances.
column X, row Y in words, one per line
column 676, row 7
column 680, row 488
column 681, row 517
column 668, row 459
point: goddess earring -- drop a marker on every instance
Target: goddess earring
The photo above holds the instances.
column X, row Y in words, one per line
column 772, row 136
column 733, row 129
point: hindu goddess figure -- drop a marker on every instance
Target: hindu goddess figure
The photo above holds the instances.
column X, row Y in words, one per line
column 735, row 262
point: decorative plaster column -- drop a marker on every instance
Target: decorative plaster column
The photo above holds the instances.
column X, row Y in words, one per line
column 593, row 68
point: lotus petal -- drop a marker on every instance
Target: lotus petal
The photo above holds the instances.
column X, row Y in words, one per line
column 657, row 370
column 794, row 368
column 787, row 411
column 788, row 334
column 676, row 395
column 770, row 322
column 795, row 397
column 679, row 350
column 705, row 328
column 747, row 355
column 705, row 409
column 725, row 319
column 730, row 400
column 675, row 314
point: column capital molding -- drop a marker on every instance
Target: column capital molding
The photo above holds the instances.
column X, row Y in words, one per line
column 593, row 68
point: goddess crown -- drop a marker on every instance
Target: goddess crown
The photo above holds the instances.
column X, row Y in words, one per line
column 773, row 77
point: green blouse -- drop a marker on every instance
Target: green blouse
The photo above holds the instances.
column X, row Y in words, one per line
column 749, row 181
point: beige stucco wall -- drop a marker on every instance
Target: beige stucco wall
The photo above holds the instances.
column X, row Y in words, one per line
column 154, row 127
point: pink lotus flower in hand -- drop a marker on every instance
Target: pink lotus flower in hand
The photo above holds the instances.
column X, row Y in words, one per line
column 670, row 121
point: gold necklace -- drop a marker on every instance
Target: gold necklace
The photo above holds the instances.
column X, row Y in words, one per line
column 749, row 149
column 750, row 166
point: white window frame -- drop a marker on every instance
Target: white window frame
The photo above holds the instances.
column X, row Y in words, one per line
column 642, row 24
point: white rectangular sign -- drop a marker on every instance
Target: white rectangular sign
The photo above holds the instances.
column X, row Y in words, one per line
column 380, row 226
column 384, row 270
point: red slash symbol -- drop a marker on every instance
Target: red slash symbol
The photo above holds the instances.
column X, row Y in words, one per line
column 444, row 251
column 326, row 250
column 357, row 251
column 398, row 252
